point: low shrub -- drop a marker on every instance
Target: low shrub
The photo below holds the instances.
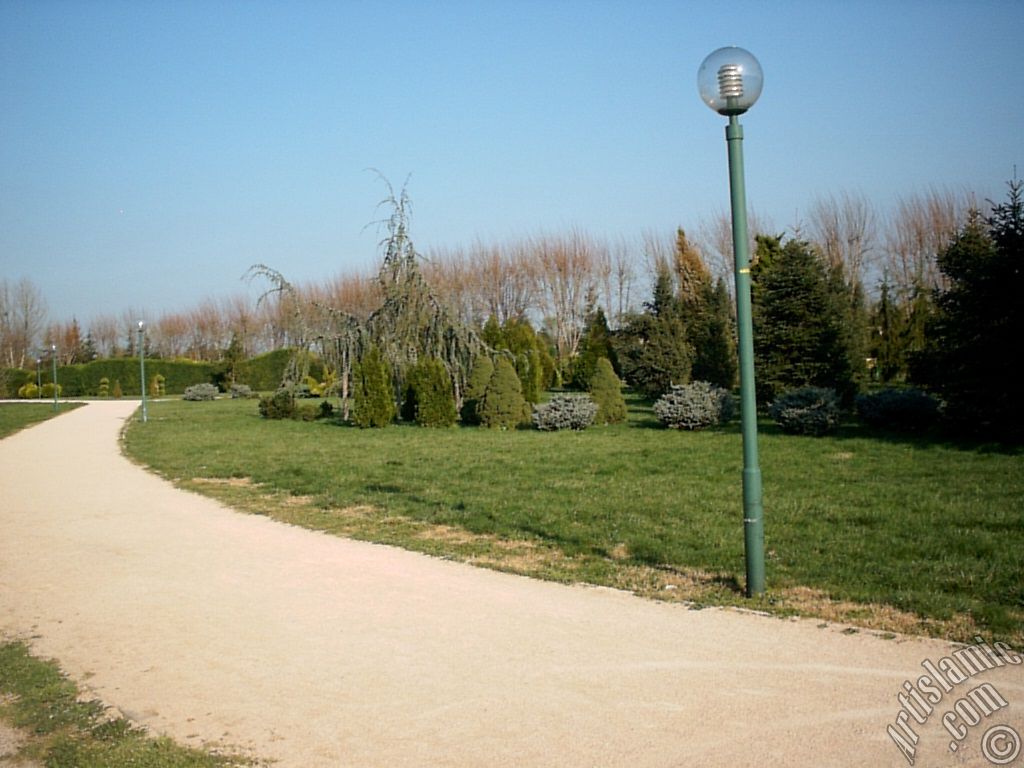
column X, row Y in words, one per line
column 103, row 390
column 241, row 392
column 694, row 406
column 606, row 390
column 201, row 392
column 807, row 411
column 565, row 412
column 902, row 409
column 280, row 405
column 47, row 392
column 502, row 405
column 29, row 391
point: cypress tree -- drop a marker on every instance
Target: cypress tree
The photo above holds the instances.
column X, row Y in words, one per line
column 503, row 406
column 373, row 404
column 606, row 392
column 479, row 377
column 432, row 393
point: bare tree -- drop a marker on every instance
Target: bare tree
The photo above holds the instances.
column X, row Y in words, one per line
column 715, row 242
column 566, row 277
column 22, row 317
column 846, row 231
column 103, row 329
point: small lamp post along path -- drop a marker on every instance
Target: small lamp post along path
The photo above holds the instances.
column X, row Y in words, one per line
column 730, row 80
column 53, row 356
column 142, row 368
column 39, row 378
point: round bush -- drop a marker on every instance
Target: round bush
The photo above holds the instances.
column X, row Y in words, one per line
column 241, row 391
column 565, row 412
column 904, row 409
column 807, row 411
column 201, row 392
column 694, row 406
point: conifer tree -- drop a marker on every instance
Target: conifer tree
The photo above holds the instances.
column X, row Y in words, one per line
column 606, row 392
column 431, row 386
column 503, row 406
column 373, row 403
column 479, row 378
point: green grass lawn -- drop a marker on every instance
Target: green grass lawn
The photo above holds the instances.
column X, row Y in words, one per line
column 16, row 416
column 888, row 532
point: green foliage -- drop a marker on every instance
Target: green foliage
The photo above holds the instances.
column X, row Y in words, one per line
column 503, row 405
column 802, row 322
column 429, row 395
column 373, row 402
column 84, row 380
column 979, row 323
column 595, row 345
column 606, row 391
column 574, row 412
column 712, row 333
column 526, row 350
column 280, row 405
column 807, row 411
column 29, row 391
column 47, row 393
column 12, row 379
column 241, row 391
column 695, row 405
column 653, row 353
column 117, row 391
column 199, row 392
column 103, row 390
column 265, row 373
column 904, row 408
column 479, row 378
column 158, row 385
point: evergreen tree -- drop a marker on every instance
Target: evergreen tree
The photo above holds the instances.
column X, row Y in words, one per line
column 606, row 392
column 653, row 352
column 595, row 345
column 502, row 405
column 479, row 378
column 431, row 394
column 978, row 322
column 713, row 336
column 799, row 312
column 373, row 402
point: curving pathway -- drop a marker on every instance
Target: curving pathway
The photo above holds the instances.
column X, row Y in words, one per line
column 214, row 626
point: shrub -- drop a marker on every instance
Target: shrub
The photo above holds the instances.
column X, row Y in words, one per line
column 479, row 377
column 29, row 391
column 430, row 401
column 694, row 406
column 241, row 391
column 47, row 393
column 565, row 412
column 373, row 404
column 116, row 392
column 158, row 385
column 280, row 405
column 807, row 411
column 606, row 390
column 502, row 405
column 103, row 390
column 906, row 409
column 201, row 392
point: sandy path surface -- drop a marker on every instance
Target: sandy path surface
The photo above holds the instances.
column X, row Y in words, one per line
column 215, row 626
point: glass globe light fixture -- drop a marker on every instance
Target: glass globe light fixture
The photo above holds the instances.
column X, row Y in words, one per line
column 730, row 80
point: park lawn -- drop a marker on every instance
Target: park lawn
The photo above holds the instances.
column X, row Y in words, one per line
column 17, row 416
column 889, row 533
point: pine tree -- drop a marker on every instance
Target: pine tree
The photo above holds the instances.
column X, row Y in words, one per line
column 713, row 336
column 479, row 377
column 606, row 392
column 595, row 344
column 503, row 406
column 373, row 403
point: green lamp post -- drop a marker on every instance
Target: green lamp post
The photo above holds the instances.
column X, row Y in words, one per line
column 53, row 357
column 39, row 378
column 730, row 80
column 142, row 368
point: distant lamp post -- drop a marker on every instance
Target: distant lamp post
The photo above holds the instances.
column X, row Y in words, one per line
column 53, row 356
column 730, row 80
column 39, row 378
column 142, row 368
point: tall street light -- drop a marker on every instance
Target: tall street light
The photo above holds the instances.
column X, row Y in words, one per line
column 142, row 368
column 53, row 356
column 730, row 81
column 39, row 378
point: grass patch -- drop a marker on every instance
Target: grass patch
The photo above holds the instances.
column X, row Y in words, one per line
column 17, row 416
column 62, row 730
column 885, row 532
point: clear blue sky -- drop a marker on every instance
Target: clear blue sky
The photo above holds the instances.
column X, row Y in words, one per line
column 150, row 152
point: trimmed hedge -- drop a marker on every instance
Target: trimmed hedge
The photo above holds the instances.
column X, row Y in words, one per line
column 85, row 380
column 264, row 373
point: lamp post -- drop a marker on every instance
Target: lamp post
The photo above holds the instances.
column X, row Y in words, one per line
column 53, row 356
column 142, row 368
column 39, row 378
column 730, row 80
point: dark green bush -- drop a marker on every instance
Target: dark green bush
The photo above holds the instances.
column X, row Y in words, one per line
column 430, row 400
column 606, row 390
column 280, row 405
column 901, row 409
column 264, row 373
column 47, row 393
column 503, row 406
column 807, row 411
column 575, row 412
column 29, row 391
column 373, row 403
column 85, row 379
column 201, row 392
column 104, row 388
column 479, row 378
column 695, row 405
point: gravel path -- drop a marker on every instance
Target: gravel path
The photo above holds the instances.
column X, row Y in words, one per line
column 214, row 626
